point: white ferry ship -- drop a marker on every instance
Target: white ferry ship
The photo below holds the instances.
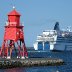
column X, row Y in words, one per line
column 54, row 40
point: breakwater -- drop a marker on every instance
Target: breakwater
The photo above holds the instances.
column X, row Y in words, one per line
column 12, row 63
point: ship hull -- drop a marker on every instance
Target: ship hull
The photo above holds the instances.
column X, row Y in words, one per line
column 63, row 47
column 54, row 47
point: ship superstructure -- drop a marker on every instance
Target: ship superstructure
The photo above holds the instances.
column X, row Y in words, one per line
column 55, row 39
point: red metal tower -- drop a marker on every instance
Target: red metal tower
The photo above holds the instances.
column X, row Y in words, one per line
column 14, row 37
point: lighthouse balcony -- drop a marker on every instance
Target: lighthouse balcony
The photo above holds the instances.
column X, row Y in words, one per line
column 13, row 24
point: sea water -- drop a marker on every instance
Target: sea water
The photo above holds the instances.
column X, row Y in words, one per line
column 66, row 56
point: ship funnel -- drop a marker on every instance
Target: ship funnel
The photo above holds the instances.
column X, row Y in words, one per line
column 56, row 27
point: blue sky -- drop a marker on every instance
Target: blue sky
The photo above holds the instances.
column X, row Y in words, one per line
column 37, row 15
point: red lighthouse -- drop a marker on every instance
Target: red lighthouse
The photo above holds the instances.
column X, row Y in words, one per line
column 13, row 37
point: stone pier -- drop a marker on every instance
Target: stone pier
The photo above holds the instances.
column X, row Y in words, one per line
column 29, row 62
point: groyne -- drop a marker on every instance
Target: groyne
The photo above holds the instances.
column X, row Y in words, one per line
column 29, row 62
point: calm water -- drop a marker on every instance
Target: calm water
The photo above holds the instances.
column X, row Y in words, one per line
column 66, row 56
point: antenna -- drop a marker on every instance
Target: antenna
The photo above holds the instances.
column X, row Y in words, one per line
column 69, row 28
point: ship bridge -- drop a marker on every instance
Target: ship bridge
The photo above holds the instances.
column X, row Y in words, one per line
column 47, row 35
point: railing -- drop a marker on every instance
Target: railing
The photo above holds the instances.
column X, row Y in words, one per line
column 12, row 23
column 7, row 23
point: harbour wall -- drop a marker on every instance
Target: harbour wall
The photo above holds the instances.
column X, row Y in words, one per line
column 29, row 62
